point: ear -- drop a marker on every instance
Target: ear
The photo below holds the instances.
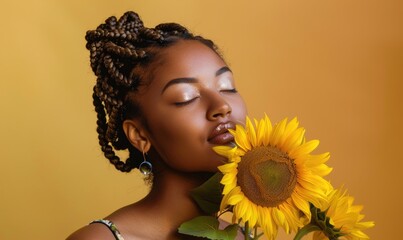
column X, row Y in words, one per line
column 136, row 135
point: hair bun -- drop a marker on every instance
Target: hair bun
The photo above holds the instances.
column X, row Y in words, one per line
column 130, row 21
column 113, row 48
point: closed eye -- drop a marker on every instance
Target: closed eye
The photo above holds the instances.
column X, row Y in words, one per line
column 233, row 90
column 179, row 104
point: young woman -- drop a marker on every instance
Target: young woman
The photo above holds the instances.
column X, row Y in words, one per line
column 167, row 97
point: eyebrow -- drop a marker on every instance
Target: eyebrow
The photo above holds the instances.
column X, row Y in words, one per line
column 179, row 80
column 193, row 80
column 222, row 70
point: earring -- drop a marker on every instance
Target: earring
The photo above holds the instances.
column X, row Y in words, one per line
column 145, row 167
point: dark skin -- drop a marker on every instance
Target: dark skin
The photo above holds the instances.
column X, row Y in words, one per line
column 191, row 93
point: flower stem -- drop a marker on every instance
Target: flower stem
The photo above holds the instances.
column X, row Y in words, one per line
column 247, row 236
column 255, row 234
column 305, row 230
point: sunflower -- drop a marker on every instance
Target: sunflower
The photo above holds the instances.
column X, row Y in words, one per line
column 342, row 218
column 271, row 178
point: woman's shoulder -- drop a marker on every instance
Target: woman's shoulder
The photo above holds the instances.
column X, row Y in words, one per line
column 92, row 232
column 112, row 227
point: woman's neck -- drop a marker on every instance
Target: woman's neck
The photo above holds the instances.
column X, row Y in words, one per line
column 170, row 194
column 168, row 204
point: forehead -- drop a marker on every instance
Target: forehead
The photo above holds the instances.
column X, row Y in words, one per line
column 186, row 58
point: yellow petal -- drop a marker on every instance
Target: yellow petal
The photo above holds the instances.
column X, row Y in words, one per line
column 294, row 140
column 289, row 129
column 250, row 131
column 301, row 204
column 240, row 209
column 278, row 130
column 268, row 130
column 228, row 167
column 366, row 224
column 321, row 170
column 254, row 215
column 247, row 213
column 229, row 187
column 241, row 138
column 280, row 219
column 225, row 199
column 262, row 216
column 224, row 202
column 269, row 229
column 318, row 159
column 313, row 183
column 291, row 216
column 224, row 151
column 260, row 132
column 229, row 178
column 235, row 198
column 360, row 235
column 304, row 149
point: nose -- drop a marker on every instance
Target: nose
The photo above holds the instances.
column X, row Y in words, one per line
column 218, row 107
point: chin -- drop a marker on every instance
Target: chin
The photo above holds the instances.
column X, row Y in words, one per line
column 217, row 163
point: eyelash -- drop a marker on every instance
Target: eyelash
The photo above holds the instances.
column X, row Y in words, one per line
column 179, row 104
column 234, row 90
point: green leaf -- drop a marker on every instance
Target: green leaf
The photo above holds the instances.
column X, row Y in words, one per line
column 209, row 195
column 207, row 226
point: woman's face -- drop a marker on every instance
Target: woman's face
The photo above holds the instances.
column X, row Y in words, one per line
column 188, row 106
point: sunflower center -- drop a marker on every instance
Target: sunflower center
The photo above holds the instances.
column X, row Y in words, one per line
column 267, row 176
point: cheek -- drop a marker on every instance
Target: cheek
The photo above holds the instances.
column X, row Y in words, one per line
column 182, row 144
column 175, row 136
column 239, row 110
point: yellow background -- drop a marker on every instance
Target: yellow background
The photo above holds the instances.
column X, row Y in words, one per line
column 337, row 65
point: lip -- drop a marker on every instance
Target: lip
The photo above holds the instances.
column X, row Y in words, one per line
column 220, row 134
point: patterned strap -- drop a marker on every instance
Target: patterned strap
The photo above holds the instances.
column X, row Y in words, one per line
column 111, row 227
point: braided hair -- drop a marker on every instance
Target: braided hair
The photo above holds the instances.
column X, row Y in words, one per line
column 121, row 50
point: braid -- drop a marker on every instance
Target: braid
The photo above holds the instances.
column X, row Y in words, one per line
column 120, row 52
column 102, row 137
